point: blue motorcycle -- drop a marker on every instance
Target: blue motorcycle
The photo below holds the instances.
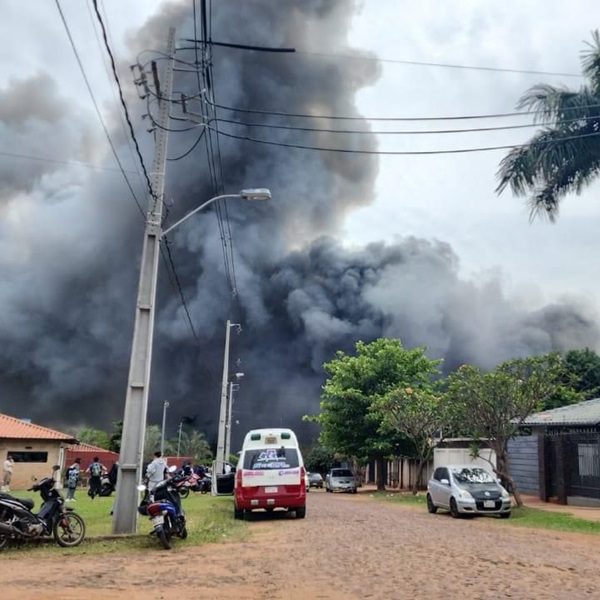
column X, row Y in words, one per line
column 163, row 507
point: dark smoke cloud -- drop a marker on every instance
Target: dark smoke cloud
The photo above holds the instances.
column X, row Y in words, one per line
column 70, row 250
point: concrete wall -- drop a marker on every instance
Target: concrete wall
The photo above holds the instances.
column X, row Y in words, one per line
column 24, row 471
column 523, row 463
column 462, row 456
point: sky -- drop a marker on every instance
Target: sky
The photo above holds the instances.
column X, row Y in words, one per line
column 482, row 281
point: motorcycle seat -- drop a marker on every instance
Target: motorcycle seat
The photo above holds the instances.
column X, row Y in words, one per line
column 26, row 502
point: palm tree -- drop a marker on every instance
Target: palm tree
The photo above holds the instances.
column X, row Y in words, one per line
column 564, row 156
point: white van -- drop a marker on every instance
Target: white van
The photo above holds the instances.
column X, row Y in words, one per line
column 270, row 473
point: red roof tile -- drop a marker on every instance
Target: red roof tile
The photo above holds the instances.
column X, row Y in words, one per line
column 89, row 448
column 11, row 428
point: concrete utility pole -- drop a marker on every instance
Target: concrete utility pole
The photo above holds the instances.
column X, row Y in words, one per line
column 220, row 457
column 162, row 431
column 136, row 401
column 232, row 388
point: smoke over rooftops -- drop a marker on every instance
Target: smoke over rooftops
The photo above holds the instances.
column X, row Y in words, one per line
column 70, row 242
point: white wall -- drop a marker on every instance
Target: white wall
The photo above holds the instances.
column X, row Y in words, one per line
column 462, row 456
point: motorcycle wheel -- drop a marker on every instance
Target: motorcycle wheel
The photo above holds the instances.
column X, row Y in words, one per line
column 184, row 492
column 3, row 542
column 164, row 537
column 69, row 530
column 105, row 491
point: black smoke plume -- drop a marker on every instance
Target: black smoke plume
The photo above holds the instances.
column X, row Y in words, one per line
column 71, row 243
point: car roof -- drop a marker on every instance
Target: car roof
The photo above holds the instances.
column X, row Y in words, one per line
column 465, row 467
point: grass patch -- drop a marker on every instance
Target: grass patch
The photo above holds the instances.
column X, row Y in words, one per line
column 535, row 518
column 406, row 498
column 545, row 519
column 209, row 519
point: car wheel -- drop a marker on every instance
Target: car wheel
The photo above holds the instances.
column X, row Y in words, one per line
column 505, row 515
column 301, row 512
column 354, row 491
column 454, row 509
column 238, row 513
column 431, row 507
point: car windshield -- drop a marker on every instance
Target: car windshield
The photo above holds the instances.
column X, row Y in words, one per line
column 341, row 473
column 315, row 476
column 472, row 475
column 271, row 458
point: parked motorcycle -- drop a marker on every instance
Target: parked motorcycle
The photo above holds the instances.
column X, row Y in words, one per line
column 106, row 486
column 163, row 507
column 18, row 522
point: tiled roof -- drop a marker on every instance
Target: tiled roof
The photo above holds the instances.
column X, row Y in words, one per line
column 11, row 428
column 88, row 448
column 582, row 413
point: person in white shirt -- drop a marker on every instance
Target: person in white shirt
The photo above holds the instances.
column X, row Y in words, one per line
column 7, row 471
column 156, row 471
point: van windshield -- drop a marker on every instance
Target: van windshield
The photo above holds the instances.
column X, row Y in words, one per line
column 271, row 458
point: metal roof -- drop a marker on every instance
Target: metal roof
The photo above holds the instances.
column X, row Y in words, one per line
column 11, row 428
column 582, row 413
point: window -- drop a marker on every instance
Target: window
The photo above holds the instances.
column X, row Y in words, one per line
column 341, row 473
column 29, row 457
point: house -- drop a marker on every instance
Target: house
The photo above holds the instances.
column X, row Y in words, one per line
column 35, row 449
column 560, row 458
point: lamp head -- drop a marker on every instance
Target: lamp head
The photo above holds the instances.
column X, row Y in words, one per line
column 239, row 375
column 253, row 194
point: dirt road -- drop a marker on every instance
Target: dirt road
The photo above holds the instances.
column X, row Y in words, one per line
column 347, row 547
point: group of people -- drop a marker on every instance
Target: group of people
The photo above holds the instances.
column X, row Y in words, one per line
column 96, row 470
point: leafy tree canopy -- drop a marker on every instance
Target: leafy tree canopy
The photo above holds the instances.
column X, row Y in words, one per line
column 94, row 437
column 564, row 156
column 496, row 403
column 349, row 425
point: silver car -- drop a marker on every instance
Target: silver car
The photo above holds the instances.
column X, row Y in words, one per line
column 340, row 480
column 467, row 490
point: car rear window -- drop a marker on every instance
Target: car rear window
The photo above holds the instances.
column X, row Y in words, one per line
column 271, row 458
column 342, row 473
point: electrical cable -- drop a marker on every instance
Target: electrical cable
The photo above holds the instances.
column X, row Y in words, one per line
column 401, row 152
column 116, row 76
column 89, row 88
column 72, row 163
column 402, row 132
column 357, row 118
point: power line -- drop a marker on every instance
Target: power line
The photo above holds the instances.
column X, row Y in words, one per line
column 400, row 152
column 401, row 132
column 360, row 118
column 116, row 76
column 89, row 88
column 419, row 63
column 72, row 163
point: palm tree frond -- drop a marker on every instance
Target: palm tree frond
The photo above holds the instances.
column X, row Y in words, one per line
column 590, row 61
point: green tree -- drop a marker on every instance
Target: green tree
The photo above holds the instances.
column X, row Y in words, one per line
column 349, row 425
column 419, row 415
column 114, row 442
column 496, row 403
column 152, row 438
column 194, row 444
column 319, row 459
column 564, row 156
column 93, row 437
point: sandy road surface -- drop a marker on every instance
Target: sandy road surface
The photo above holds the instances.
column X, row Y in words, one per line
column 347, row 547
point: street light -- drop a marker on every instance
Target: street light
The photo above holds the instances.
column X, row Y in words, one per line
column 233, row 387
column 136, row 401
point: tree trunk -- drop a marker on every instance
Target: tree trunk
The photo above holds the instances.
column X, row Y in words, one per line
column 503, row 474
column 415, row 486
column 381, row 473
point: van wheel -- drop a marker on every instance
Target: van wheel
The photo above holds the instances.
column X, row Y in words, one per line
column 431, row 507
column 238, row 513
column 301, row 512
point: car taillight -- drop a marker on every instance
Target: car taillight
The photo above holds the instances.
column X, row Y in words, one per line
column 303, row 477
column 238, row 477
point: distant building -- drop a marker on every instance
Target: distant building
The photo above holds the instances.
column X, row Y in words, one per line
column 35, row 449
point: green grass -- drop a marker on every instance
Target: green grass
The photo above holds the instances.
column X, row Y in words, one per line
column 535, row 518
column 209, row 519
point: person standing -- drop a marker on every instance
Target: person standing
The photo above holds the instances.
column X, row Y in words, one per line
column 7, row 471
column 156, row 471
column 95, row 471
column 73, row 479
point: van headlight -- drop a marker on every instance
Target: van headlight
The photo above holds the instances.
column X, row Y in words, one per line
column 464, row 495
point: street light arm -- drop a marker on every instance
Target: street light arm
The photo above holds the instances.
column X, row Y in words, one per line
column 197, row 209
